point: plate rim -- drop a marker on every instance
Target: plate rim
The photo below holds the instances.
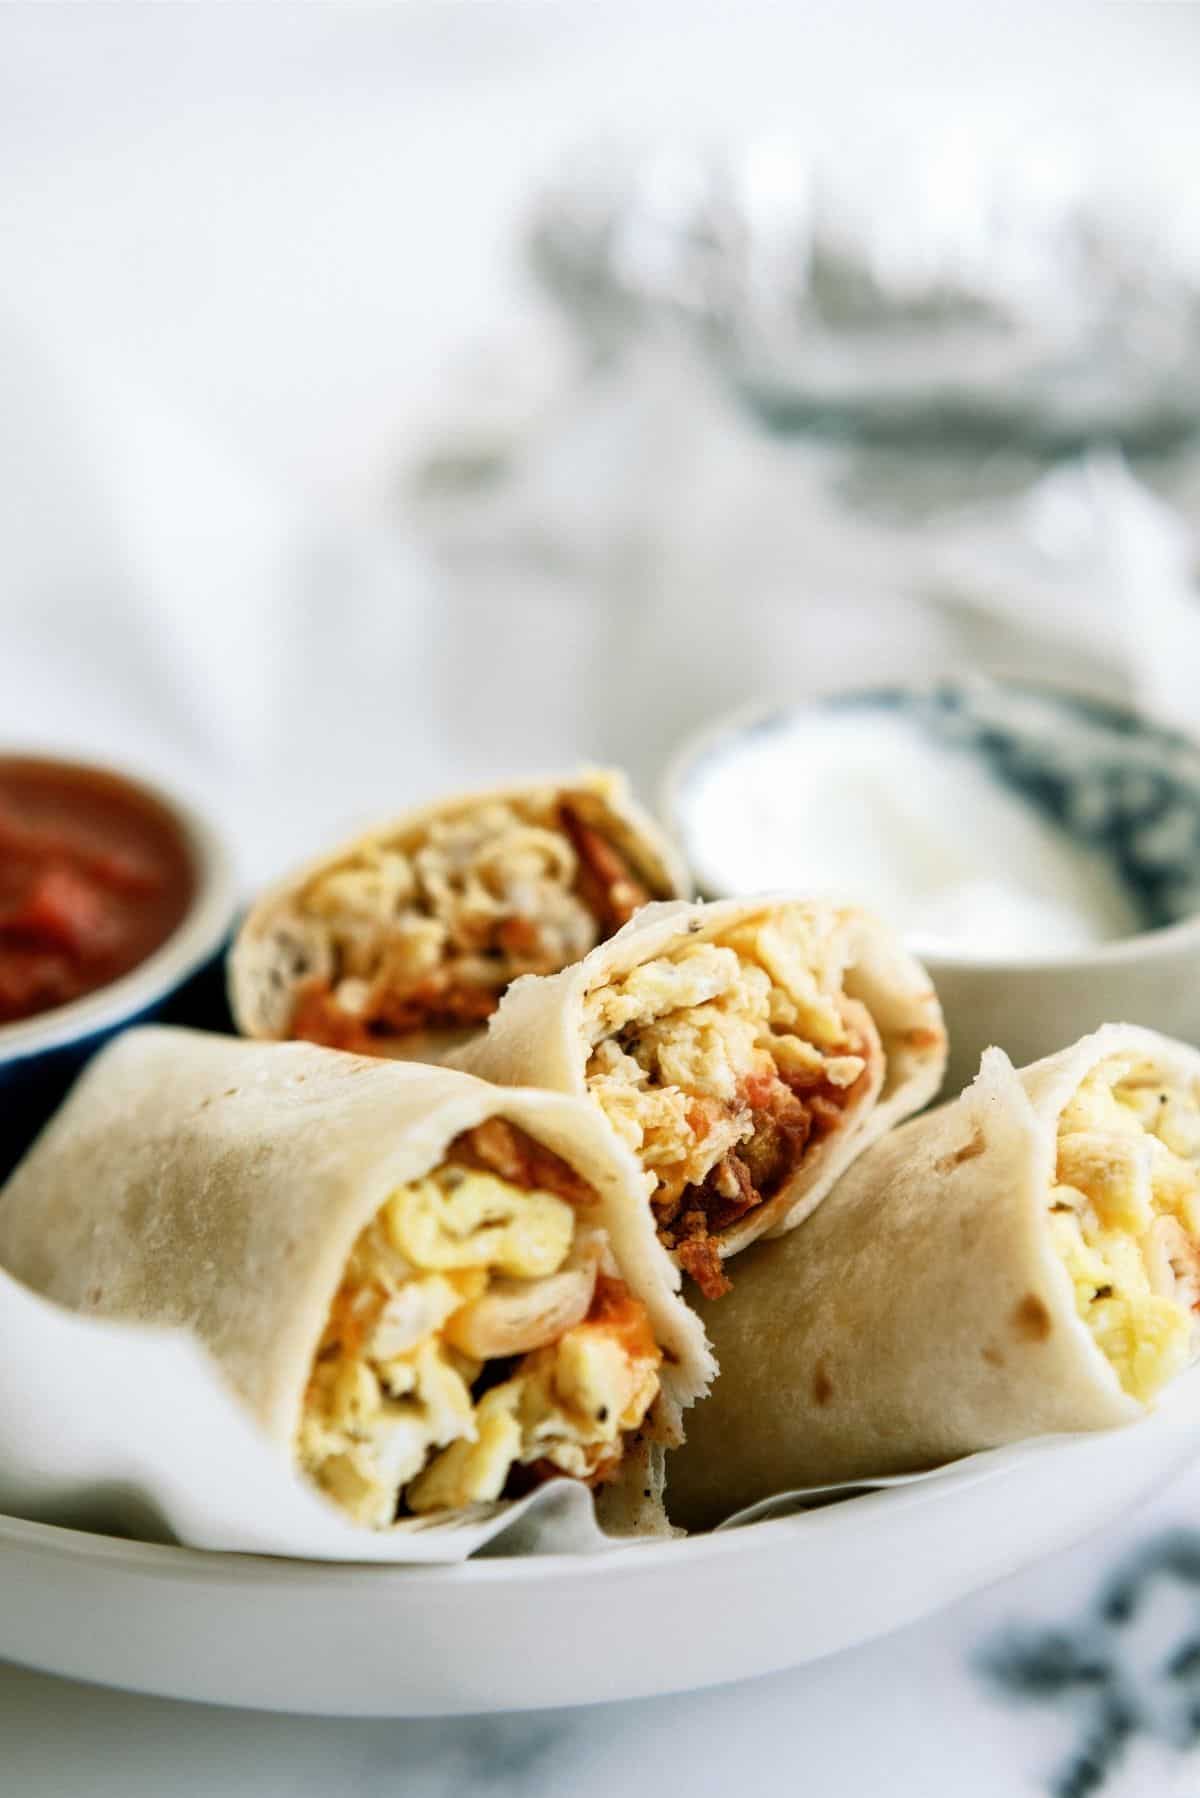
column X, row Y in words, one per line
column 639, row 1554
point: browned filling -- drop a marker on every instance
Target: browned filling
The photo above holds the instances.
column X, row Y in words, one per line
column 501, row 1148
column 789, row 1120
column 724, row 1064
column 433, row 1005
column 465, row 987
column 605, row 883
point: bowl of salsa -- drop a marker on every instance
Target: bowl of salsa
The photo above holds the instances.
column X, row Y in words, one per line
column 115, row 900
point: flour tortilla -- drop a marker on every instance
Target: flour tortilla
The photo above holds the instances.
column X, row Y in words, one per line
column 274, row 950
column 219, row 1185
column 537, row 1037
column 922, row 1314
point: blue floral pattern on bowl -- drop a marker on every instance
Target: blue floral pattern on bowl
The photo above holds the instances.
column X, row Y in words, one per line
column 33, row 1086
column 1107, row 776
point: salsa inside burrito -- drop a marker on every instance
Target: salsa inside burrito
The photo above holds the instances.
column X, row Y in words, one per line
column 743, row 1051
column 431, row 1292
column 1023, row 1261
column 403, row 941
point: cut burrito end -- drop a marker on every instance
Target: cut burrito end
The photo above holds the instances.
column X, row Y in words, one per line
column 480, row 1341
column 743, row 1052
column 413, row 933
column 730, row 1066
column 1125, row 1217
column 1021, row 1262
column 424, row 1290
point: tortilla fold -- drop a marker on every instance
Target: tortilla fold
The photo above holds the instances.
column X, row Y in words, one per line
column 549, row 1033
column 222, row 1186
column 400, row 940
column 956, row 1292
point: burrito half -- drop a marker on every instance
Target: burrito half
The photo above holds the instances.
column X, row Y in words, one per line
column 403, row 941
column 744, row 1052
column 428, row 1291
column 1025, row 1260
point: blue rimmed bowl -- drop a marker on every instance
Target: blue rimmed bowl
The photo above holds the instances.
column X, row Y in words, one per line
column 181, row 981
column 1120, row 790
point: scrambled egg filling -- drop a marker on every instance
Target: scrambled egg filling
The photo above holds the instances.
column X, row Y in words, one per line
column 479, row 1328
column 719, row 1064
column 432, row 933
column 1125, row 1213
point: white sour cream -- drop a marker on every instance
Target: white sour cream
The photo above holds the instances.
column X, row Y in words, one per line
column 863, row 805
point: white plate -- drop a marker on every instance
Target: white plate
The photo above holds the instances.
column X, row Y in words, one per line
column 551, row 1630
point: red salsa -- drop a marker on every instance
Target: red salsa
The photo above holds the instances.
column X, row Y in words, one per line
column 95, row 874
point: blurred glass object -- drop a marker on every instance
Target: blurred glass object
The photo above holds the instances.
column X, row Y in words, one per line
column 800, row 418
column 951, row 285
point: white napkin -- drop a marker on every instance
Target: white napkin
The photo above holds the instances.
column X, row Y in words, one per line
column 721, row 565
column 1088, row 562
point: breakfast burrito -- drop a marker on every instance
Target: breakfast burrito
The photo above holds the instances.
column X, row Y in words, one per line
column 743, row 1051
column 402, row 941
column 427, row 1291
column 1023, row 1261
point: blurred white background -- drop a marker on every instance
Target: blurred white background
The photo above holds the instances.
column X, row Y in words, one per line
column 257, row 259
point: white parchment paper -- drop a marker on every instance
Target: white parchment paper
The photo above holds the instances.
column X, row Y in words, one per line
column 1177, row 1413
column 126, row 1428
column 122, row 1427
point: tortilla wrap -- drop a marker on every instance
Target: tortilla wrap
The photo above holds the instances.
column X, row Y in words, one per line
column 222, row 1186
column 837, row 977
column 400, row 941
column 953, row 1294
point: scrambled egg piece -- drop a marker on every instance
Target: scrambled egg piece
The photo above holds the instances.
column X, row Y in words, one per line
column 478, row 1220
column 440, row 926
column 680, row 1042
column 568, row 1406
column 1125, row 1214
column 447, row 895
column 390, row 1415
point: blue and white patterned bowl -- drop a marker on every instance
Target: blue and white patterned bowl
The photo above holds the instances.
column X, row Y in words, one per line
column 182, row 980
column 1117, row 785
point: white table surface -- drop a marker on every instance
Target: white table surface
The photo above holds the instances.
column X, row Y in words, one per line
column 267, row 226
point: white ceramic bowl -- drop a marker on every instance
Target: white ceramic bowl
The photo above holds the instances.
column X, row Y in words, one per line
column 40, row 1056
column 536, row 1631
column 1110, row 779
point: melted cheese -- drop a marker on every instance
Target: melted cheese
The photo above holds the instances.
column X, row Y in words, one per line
column 1125, row 1216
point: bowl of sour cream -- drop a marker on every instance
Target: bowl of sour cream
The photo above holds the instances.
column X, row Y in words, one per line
column 1038, row 848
